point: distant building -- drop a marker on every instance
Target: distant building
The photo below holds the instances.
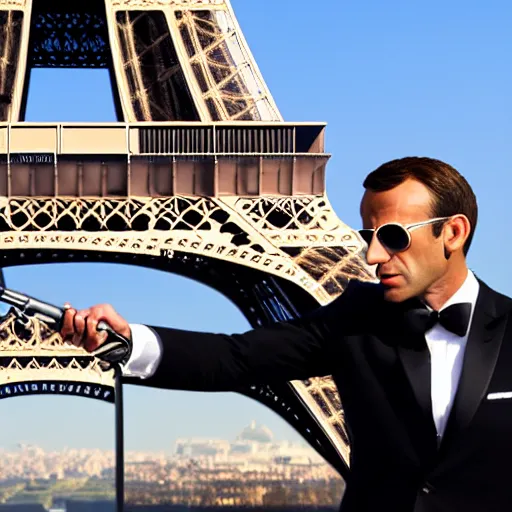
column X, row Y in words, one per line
column 198, row 447
column 253, row 432
column 254, row 445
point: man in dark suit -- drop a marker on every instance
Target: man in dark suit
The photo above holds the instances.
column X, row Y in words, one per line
column 422, row 360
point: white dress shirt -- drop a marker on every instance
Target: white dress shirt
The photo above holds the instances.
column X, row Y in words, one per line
column 146, row 352
column 446, row 350
column 447, row 354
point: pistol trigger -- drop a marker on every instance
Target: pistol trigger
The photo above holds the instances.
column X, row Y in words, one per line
column 21, row 317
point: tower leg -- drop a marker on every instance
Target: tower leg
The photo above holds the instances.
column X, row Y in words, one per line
column 15, row 17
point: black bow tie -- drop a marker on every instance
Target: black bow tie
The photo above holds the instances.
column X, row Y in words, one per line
column 454, row 318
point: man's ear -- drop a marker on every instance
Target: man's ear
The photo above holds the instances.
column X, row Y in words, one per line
column 455, row 233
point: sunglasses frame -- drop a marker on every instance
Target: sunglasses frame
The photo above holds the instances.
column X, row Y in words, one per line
column 407, row 228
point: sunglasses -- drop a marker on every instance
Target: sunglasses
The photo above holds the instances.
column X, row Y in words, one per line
column 395, row 237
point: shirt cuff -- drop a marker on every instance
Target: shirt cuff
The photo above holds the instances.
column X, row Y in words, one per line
column 146, row 352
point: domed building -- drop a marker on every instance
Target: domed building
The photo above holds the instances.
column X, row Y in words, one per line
column 258, row 433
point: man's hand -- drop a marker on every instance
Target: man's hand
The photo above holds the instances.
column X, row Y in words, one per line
column 79, row 327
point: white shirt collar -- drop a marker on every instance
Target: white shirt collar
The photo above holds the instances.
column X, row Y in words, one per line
column 468, row 292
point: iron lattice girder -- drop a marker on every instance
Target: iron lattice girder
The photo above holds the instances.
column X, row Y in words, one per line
column 168, row 61
column 69, row 35
column 291, row 245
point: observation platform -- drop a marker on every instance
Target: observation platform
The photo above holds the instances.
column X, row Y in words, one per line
column 159, row 159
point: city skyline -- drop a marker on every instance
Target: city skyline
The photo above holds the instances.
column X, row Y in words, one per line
column 252, row 433
column 12, row 445
column 249, row 470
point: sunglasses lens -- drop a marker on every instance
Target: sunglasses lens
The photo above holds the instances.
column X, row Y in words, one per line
column 366, row 235
column 395, row 238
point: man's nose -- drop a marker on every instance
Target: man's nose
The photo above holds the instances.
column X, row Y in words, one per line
column 376, row 253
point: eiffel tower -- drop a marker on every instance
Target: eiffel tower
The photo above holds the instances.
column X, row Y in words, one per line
column 200, row 176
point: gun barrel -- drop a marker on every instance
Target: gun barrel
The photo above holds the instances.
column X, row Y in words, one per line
column 14, row 298
column 32, row 306
column 44, row 310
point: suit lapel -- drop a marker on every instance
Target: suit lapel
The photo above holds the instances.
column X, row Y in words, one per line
column 416, row 364
column 415, row 358
column 482, row 350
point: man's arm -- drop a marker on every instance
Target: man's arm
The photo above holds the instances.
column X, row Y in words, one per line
column 221, row 362
column 191, row 360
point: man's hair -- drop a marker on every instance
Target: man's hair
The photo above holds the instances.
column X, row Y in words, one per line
column 451, row 193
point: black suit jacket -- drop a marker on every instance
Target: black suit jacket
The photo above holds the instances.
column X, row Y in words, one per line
column 383, row 375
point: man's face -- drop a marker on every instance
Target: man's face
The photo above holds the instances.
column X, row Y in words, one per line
column 412, row 272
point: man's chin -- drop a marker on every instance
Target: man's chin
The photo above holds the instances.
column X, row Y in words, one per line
column 396, row 294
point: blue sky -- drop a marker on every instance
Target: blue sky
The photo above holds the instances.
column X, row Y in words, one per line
column 391, row 79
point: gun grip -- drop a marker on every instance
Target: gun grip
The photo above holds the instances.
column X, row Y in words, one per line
column 116, row 349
